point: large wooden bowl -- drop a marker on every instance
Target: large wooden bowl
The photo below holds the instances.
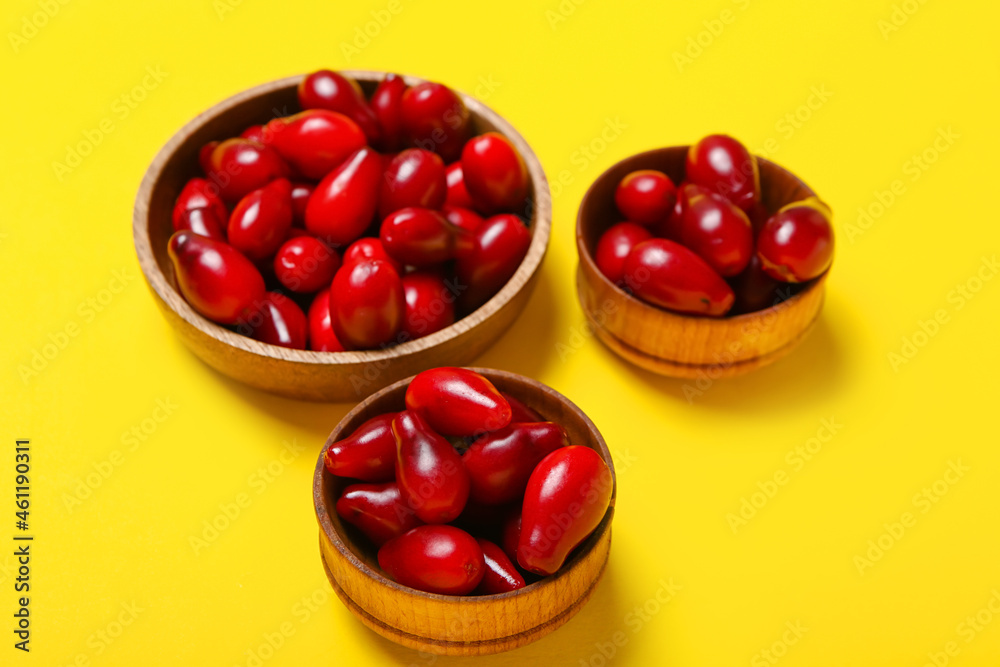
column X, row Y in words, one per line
column 459, row 625
column 673, row 344
column 318, row 376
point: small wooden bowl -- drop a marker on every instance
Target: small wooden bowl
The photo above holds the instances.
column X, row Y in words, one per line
column 318, row 376
column 459, row 625
column 673, row 344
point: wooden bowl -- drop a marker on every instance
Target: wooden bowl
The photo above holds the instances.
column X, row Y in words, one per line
column 318, row 376
column 447, row 624
column 673, row 344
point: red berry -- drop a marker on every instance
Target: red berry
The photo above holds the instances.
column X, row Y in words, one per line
column 316, row 141
column 796, row 244
column 300, row 198
column 430, row 305
column 279, row 321
column 368, row 454
column 377, row 510
column 435, row 559
column 435, row 119
column 305, row 264
column 462, row 217
column 367, row 305
column 343, row 204
column 501, row 576
column 321, row 335
column 369, row 247
column 199, row 193
column 203, row 222
column 216, row 279
column 458, row 195
column 667, row 274
column 387, row 103
column 725, row 166
column 645, row 196
column 615, row 245
column 240, row 166
column 428, row 470
column 567, row 496
column 498, row 247
column 715, row 230
column 500, row 463
column 420, row 237
column 457, row 401
column 414, row 177
column 260, row 222
column 335, row 92
column 495, row 174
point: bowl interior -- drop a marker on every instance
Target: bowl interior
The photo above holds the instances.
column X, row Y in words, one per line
column 547, row 402
column 259, row 105
column 598, row 211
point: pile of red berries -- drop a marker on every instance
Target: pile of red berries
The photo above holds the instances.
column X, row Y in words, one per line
column 709, row 246
column 367, row 213
column 520, row 496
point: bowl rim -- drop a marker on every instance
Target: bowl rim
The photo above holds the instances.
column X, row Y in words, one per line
column 335, row 538
column 165, row 290
column 586, row 257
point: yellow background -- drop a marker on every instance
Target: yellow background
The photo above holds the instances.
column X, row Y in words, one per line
column 684, row 465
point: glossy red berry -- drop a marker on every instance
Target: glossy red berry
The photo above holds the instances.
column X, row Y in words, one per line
column 261, row 220
column 495, row 174
column 645, row 196
column 414, row 177
column 430, row 305
column 421, row 237
column 255, row 133
column 368, row 454
column 667, row 274
column 566, row 498
column 428, row 470
column 333, row 91
column 240, row 166
column 343, row 204
column 216, row 279
column 716, row 230
column 435, row 119
column 367, row 305
column 462, row 217
column 796, row 244
column 457, row 401
column 321, row 335
column 724, row 165
column 316, row 141
column 458, row 194
column 500, row 463
column 377, row 510
column 435, row 559
column 499, row 245
column 369, row 247
column 501, row 576
column 199, row 193
column 614, row 246
column 278, row 321
column 387, row 103
column 205, row 156
column 204, row 222
column 305, row 264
